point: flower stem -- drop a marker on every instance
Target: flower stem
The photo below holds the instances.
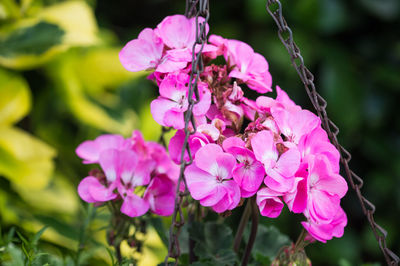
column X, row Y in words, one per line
column 253, row 233
column 300, row 243
column 242, row 225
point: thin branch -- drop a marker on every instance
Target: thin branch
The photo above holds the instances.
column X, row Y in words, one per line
column 253, row 233
column 241, row 227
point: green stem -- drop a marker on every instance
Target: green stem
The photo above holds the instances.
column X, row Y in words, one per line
column 300, row 243
column 253, row 233
column 242, row 225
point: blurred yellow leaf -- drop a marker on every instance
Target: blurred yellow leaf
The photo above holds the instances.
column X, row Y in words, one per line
column 153, row 251
column 25, row 160
column 63, row 73
column 33, row 41
column 100, row 69
column 149, row 127
column 59, row 196
column 15, row 97
column 76, row 18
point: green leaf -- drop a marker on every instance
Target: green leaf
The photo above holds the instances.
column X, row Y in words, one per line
column 37, row 236
column 25, row 160
column 156, row 222
column 16, row 256
column 10, row 234
column 267, row 244
column 23, row 239
column 15, row 97
column 213, row 243
column 35, row 39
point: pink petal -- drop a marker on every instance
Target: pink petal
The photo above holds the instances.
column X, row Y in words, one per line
column 200, row 183
column 174, row 119
column 284, row 99
column 263, row 146
column 109, row 162
column 206, row 158
column 288, row 162
column 143, row 53
column 173, row 86
column 231, row 198
column 134, row 206
column 322, row 207
column 277, row 182
column 225, row 162
column 163, row 205
column 141, row 175
column 209, row 130
column 297, row 199
column 249, row 178
column 232, row 142
column 175, row 147
column 215, row 197
column 83, row 188
column 167, row 65
column 177, row 31
column 269, row 202
column 203, row 105
column 161, row 111
column 90, row 150
column 127, row 164
column 180, row 55
column 101, row 193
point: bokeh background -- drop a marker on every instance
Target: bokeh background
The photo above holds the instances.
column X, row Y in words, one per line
column 61, row 83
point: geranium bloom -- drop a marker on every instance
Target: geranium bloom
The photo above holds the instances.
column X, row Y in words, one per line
column 196, row 141
column 128, row 164
column 248, row 66
column 168, row 109
column 325, row 189
column 295, row 124
column 248, row 173
column 160, row 195
column 281, row 168
column 146, row 52
column 90, row 150
column 166, row 49
column 269, row 202
column 326, row 231
column 209, row 179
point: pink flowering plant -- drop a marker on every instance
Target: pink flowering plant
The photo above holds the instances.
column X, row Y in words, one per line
column 267, row 151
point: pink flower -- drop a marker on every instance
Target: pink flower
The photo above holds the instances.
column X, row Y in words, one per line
column 161, row 195
column 179, row 34
column 264, row 103
column 91, row 190
column 280, row 169
column 196, row 141
column 248, row 66
column 317, row 142
column 295, row 124
column 248, row 173
column 269, row 203
column 325, row 189
column 326, row 231
column 146, row 52
column 209, row 179
column 168, row 109
column 90, row 150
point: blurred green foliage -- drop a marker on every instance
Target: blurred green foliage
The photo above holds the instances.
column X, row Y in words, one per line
column 61, row 83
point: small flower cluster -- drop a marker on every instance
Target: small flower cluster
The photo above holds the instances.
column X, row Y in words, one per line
column 139, row 173
column 268, row 148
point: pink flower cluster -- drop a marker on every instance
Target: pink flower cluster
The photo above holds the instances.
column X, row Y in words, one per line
column 138, row 173
column 267, row 148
